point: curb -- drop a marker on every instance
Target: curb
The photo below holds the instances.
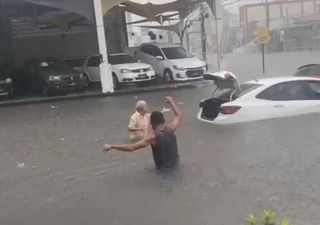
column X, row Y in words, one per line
column 37, row 100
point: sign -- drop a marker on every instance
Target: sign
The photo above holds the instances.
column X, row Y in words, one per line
column 262, row 35
column 262, row 38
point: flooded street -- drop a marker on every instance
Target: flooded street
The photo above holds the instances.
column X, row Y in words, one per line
column 53, row 170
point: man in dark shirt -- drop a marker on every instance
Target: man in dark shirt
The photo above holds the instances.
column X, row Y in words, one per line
column 162, row 139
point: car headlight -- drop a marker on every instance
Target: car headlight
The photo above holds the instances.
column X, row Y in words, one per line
column 125, row 71
column 179, row 68
column 54, row 78
column 8, row 80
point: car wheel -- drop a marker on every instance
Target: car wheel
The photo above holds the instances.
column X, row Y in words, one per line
column 116, row 83
column 45, row 90
column 167, row 77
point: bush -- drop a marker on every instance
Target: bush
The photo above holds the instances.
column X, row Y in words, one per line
column 268, row 219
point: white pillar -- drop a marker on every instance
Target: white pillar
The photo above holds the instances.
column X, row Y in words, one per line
column 105, row 68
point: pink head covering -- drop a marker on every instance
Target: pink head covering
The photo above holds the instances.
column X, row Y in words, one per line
column 141, row 106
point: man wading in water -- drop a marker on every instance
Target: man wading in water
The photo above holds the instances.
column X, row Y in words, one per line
column 162, row 139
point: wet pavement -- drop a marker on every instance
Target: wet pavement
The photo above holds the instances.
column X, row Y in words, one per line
column 53, row 171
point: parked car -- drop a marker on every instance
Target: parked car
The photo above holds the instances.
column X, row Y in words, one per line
column 6, row 85
column 125, row 69
column 258, row 99
column 171, row 62
column 89, row 66
column 50, row 76
column 10, row 82
column 310, row 70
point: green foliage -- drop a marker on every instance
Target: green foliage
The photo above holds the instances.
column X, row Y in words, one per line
column 268, row 218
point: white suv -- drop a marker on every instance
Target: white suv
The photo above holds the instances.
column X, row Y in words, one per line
column 171, row 62
column 125, row 69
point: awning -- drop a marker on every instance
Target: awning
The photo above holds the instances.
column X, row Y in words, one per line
column 160, row 19
column 152, row 11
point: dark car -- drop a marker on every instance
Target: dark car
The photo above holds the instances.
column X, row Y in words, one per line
column 311, row 70
column 52, row 76
column 6, row 80
column 6, row 85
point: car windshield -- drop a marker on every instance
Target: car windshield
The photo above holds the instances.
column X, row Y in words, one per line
column 176, row 53
column 53, row 65
column 78, row 62
column 121, row 59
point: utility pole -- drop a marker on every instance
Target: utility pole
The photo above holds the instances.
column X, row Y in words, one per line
column 188, row 38
column 217, row 34
column 267, row 14
column 203, row 33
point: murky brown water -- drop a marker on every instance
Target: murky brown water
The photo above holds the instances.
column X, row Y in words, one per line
column 53, row 171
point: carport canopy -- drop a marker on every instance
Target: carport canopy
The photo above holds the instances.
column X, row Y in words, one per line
column 93, row 10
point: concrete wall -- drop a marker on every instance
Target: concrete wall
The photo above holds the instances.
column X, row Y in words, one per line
column 62, row 45
column 28, row 40
column 116, row 30
column 5, row 41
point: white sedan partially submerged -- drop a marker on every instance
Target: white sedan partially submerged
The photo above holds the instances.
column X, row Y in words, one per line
column 258, row 99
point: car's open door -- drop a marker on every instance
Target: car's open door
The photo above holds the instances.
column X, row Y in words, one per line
column 223, row 80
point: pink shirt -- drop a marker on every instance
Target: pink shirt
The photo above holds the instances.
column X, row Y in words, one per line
column 138, row 121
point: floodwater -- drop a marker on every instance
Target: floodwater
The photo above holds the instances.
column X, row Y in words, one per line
column 53, row 171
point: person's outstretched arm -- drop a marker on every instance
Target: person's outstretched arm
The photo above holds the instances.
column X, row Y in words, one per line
column 178, row 115
column 148, row 140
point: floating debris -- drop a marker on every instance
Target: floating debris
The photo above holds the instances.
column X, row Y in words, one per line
column 21, row 165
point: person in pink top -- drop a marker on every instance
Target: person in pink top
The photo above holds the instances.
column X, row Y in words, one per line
column 139, row 124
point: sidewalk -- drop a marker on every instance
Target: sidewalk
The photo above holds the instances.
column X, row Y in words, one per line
column 94, row 93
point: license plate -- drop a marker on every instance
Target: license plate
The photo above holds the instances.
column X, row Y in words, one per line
column 143, row 75
column 196, row 73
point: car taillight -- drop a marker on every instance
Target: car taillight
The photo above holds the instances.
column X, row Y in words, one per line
column 229, row 110
column 317, row 76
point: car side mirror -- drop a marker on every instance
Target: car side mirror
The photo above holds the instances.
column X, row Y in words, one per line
column 159, row 57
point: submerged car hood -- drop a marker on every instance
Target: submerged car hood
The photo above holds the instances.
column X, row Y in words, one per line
column 188, row 62
column 223, row 80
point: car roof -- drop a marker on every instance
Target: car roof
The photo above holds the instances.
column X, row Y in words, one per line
column 37, row 60
column 162, row 44
column 306, row 66
column 118, row 53
column 276, row 80
column 77, row 57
